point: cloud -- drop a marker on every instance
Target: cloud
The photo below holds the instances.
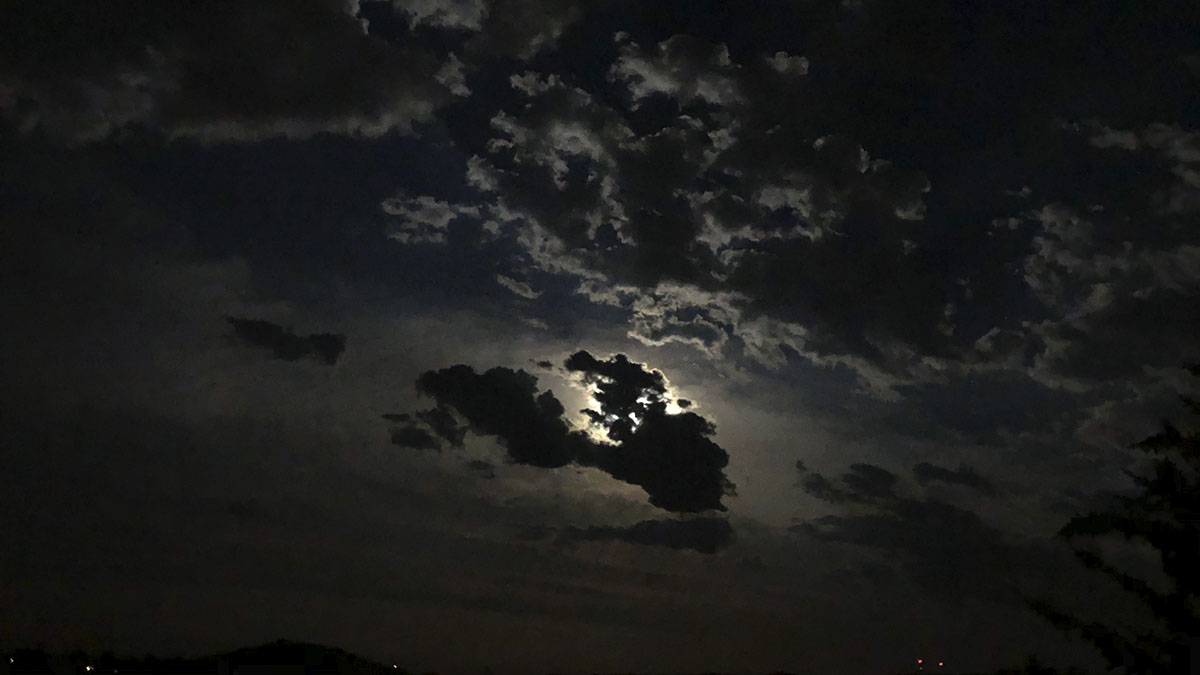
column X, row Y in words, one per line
column 1064, row 264
column 869, row 481
column 415, row 437
column 524, row 28
column 452, row 75
column 825, row 276
column 674, row 313
column 1105, row 296
column 240, row 75
column 787, row 64
column 1110, row 282
column 703, row 535
column 482, row 468
column 818, row 486
column 505, row 403
column 422, row 219
column 286, row 345
column 624, row 389
column 965, row 476
column 85, row 73
column 443, row 423
column 1170, row 140
column 671, row 456
column 729, row 201
column 1119, row 340
column 737, row 219
column 705, row 234
column 1121, row 421
column 594, row 204
column 946, row 548
column 680, row 67
column 519, row 288
column 465, row 14
column 864, row 483
column 981, row 406
column 949, row 550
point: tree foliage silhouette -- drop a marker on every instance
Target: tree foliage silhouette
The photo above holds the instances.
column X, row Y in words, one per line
column 1164, row 514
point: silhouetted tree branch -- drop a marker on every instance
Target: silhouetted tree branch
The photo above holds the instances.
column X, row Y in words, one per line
column 1164, row 515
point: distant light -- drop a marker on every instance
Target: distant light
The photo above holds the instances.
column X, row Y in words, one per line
column 88, row 668
column 920, row 660
column 393, row 665
column 940, row 664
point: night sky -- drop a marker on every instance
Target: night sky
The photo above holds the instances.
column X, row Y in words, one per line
column 586, row 335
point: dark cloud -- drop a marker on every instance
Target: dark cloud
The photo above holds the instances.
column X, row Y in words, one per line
column 484, row 469
column 981, row 407
column 674, row 460
column 719, row 181
column 700, row 197
column 819, row 486
column 625, row 391
column 681, row 67
column 505, row 403
column 672, row 457
column 1105, row 283
column 483, row 30
column 870, row 481
column 422, row 219
column 704, row 535
column 443, row 423
column 85, row 73
column 524, row 28
column 965, row 476
column 461, row 14
column 720, row 184
column 947, row 548
column 864, row 483
column 534, row 532
column 834, row 220
column 286, row 345
column 697, row 198
column 1150, row 329
column 415, row 437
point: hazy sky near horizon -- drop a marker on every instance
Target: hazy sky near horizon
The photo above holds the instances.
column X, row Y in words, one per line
column 557, row 335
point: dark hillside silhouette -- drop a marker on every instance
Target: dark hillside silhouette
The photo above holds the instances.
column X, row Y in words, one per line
column 277, row 658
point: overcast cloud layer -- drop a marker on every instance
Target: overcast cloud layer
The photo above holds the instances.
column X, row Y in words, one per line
column 584, row 336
